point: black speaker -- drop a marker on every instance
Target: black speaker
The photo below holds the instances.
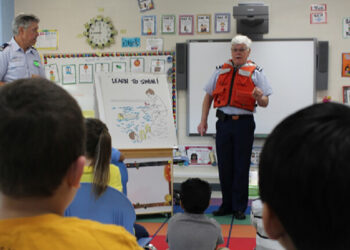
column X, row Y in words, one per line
column 181, row 65
column 322, row 65
column 323, row 56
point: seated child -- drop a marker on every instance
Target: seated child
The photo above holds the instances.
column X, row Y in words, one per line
column 193, row 229
column 41, row 162
column 263, row 242
column 99, row 170
column 98, row 151
column 304, row 178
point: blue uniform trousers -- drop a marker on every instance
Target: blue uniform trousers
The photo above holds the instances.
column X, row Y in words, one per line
column 234, row 141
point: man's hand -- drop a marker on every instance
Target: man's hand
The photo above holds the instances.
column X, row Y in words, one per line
column 262, row 100
column 202, row 128
column 257, row 93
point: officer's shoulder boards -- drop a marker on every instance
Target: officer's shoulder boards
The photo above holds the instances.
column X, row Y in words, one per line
column 2, row 47
column 258, row 68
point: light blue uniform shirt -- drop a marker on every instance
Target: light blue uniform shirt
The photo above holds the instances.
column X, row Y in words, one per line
column 16, row 64
column 259, row 80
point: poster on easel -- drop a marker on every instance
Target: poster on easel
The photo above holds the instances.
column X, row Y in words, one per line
column 142, row 119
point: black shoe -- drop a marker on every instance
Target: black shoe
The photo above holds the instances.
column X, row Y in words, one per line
column 239, row 215
column 221, row 212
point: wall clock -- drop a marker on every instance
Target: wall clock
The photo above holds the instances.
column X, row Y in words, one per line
column 99, row 32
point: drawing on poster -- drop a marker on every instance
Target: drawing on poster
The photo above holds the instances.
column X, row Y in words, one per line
column 146, row 120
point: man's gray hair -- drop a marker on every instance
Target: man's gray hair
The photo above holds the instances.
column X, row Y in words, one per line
column 24, row 21
column 240, row 39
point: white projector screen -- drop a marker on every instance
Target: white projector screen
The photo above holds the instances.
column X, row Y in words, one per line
column 289, row 65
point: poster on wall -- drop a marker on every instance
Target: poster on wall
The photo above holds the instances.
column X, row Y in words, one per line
column 318, row 17
column 86, row 73
column 51, row 70
column 47, row 39
column 68, row 74
column 222, row 22
column 346, row 27
column 203, row 24
column 345, row 65
column 186, row 24
column 141, row 120
column 168, row 24
column 148, row 25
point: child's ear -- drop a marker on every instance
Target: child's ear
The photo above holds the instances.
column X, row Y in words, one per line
column 75, row 172
column 272, row 224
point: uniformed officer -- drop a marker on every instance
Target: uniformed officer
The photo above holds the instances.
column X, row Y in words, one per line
column 18, row 59
column 236, row 88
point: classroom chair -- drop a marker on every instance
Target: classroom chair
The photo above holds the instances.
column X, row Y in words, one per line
column 112, row 207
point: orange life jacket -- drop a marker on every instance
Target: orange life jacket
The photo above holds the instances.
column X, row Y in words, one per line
column 240, row 94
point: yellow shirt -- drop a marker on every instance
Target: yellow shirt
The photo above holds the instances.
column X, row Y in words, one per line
column 115, row 179
column 51, row 231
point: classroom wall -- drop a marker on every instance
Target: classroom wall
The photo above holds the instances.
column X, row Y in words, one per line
column 287, row 19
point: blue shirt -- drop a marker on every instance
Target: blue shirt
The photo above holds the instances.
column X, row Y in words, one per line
column 259, row 80
column 16, row 64
column 115, row 159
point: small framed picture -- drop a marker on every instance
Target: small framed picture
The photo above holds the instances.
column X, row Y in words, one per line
column 203, row 24
column 186, row 24
column 345, row 65
column 199, row 155
column 149, row 25
column 168, row 24
column 145, row 5
column 222, row 22
column 346, row 94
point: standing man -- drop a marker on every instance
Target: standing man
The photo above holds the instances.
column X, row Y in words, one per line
column 236, row 88
column 18, row 59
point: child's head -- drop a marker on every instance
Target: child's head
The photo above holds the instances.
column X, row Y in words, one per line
column 195, row 195
column 98, row 152
column 41, row 135
column 304, row 178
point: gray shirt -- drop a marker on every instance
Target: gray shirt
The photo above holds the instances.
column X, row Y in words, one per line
column 193, row 231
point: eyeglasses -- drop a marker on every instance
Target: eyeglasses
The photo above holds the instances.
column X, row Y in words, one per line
column 239, row 50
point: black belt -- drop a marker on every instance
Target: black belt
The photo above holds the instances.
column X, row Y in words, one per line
column 224, row 117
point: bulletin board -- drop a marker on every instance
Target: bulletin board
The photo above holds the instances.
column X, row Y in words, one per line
column 76, row 72
column 289, row 65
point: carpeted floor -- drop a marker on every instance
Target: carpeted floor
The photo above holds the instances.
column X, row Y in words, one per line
column 242, row 235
